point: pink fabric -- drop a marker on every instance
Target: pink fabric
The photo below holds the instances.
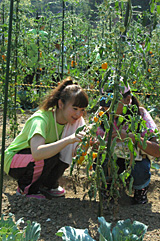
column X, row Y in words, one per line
column 149, row 121
column 68, row 152
column 101, row 132
column 126, row 89
column 145, row 115
column 22, row 160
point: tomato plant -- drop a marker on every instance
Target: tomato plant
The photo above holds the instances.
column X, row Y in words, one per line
column 96, row 53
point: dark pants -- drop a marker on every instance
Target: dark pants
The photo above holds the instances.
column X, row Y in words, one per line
column 140, row 172
column 52, row 169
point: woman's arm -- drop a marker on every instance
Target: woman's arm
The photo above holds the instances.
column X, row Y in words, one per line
column 41, row 151
column 153, row 148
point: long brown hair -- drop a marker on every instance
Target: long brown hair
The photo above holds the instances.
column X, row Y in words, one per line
column 65, row 91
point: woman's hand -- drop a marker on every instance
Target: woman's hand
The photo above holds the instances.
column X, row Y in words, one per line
column 94, row 143
column 122, row 135
column 76, row 137
column 40, row 150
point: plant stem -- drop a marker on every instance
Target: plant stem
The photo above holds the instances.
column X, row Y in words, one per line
column 100, row 207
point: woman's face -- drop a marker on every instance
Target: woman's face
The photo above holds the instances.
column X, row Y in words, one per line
column 69, row 113
column 122, row 102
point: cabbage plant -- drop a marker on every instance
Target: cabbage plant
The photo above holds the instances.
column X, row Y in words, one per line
column 73, row 234
column 123, row 231
column 9, row 230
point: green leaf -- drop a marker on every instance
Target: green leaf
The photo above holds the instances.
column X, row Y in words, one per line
column 125, row 108
column 103, row 176
column 133, row 125
column 152, row 7
column 32, row 231
column 73, row 234
column 139, row 229
column 120, row 119
column 79, row 129
column 59, row 234
column 123, row 176
column 74, row 160
column 131, row 185
column 8, row 228
column 103, row 158
column 130, row 145
column 101, row 49
column 144, row 144
column 10, row 231
column 104, row 230
column 158, row 9
column 121, row 230
column 106, row 124
column 155, row 166
column 125, row 230
column 102, row 142
column 113, row 145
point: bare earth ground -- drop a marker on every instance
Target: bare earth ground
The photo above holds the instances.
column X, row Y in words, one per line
column 73, row 210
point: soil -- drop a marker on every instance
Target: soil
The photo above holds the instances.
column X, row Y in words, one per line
column 77, row 210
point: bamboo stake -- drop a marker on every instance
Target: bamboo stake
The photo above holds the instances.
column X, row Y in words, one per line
column 16, row 65
column 5, row 99
column 62, row 37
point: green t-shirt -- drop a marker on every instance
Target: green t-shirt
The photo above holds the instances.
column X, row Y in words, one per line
column 42, row 123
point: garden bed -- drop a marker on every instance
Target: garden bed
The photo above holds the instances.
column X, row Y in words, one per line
column 76, row 210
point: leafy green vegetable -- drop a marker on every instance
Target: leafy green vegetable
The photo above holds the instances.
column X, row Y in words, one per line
column 123, row 231
column 126, row 231
column 32, row 231
column 9, row 230
column 104, row 230
column 73, row 234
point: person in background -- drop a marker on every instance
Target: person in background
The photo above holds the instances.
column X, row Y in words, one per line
column 39, row 155
column 141, row 170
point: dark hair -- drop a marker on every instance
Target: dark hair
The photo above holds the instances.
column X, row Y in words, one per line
column 126, row 94
column 66, row 91
column 134, row 102
column 130, row 110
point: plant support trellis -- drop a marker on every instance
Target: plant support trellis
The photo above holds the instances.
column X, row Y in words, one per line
column 5, row 99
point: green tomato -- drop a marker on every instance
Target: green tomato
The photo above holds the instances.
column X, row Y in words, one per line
column 122, row 29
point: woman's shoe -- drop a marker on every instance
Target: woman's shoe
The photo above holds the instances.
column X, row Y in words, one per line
column 19, row 192
column 57, row 192
column 140, row 196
